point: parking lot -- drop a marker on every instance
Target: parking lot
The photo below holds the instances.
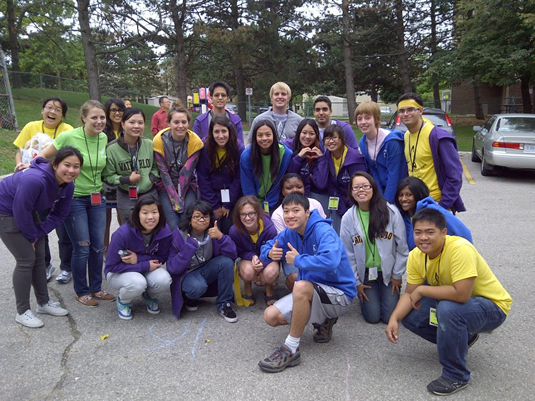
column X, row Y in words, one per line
column 94, row 355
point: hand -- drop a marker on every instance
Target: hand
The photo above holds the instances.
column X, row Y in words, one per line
column 291, row 254
column 224, row 212
column 218, row 212
column 317, row 152
column 154, row 264
column 304, row 152
column 276, row 252
column 415, row 297
column 33, row 245
column 214, row 232
column 21, row 166
column 392, row 330
column 396, row 285
column 257, row 264
column 130, row 259
column 362, row 294
column 135, row 177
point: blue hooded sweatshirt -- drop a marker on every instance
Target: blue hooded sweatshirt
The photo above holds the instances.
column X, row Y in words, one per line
column 322, row 257
column 35, row 189
column 390, row 167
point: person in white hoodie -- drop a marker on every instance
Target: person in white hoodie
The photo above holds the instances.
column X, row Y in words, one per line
column 373, row 233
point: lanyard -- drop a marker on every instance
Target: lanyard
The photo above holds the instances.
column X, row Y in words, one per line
column 134, row 156
column 366, row 239
column 94, row 172
column 412, row 156
column 437, row 274
column 55, row 131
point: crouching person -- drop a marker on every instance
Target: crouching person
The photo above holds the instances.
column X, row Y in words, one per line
column 325, row 284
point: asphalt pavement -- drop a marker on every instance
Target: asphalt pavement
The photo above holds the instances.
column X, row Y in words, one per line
column 93, row 355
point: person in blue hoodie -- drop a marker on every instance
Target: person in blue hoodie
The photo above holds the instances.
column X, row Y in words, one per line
column 325, row 285
column 383, row 150
column 137, row 251
column 413, row 195
column 42, row 186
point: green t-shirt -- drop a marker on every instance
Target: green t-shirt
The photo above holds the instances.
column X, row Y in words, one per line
column 93, row 150
column 266, row 180
column 373, row 259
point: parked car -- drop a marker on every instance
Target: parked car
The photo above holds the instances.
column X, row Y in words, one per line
column 232, row 107
column 263, row 109
column 506, row 140
column 437, row 116
column 386, row 110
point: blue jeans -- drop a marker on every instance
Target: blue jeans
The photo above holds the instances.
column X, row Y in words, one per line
column 220, row 269
column 382, row 303
column 457, row 324
column 85, row 225
column 172, row 218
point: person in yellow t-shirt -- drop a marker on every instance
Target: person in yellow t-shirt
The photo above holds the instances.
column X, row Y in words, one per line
column 452, row 295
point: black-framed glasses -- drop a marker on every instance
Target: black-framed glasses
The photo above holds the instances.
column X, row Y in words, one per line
column 116, row 111
column 331, row 139
column 365, row 187
column 199, row 217
column 250, row 215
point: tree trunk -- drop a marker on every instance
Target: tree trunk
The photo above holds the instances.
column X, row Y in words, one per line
column 477, row 101
column 348, row 64
column 13, row 44
column 178, row 17
column 89, row 50
column 402, row 57
column 433, row 47
column 237, row 62
column 524, row 89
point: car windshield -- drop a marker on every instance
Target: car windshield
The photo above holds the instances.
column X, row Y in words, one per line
column 438, row 120
column 524, row 124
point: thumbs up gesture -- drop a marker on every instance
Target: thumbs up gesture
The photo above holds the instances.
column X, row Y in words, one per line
column 214, row 232
column 276, row 252
column 291, row 254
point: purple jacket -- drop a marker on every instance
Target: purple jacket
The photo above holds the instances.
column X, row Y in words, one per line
column 448, row 168
column 35, row 189
column 244, row 244
column 127, row 237
column 211, row 183
column 202, row 123
column 180, row 254
column 338, row 185
column 299, row 165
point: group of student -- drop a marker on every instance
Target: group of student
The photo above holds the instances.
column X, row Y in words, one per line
column 338, row 218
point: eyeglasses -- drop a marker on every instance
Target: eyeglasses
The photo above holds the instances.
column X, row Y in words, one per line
column 408, row 110
column 219, row 95
column 116, row 111
column 199, row 217
column 52, row 108
column 250, row 215
column 331, row 139
column 365, row 187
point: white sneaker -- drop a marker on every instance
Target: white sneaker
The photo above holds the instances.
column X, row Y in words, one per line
column 52, row 308
column 28, row 319
column 64, row 277
column 49, row 270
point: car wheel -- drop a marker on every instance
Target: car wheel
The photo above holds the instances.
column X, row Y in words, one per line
column 486, row 169
column 475, row 157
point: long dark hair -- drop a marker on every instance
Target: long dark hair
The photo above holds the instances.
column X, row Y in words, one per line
column 379, row 212
column 256, row 154
column 201, row 206
column 108, row 130
column 134, row 221
column 232, row 156
column 418, row 188
column 297, row 142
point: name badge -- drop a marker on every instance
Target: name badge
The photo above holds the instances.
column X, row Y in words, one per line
column 225, row 195
column 373, row 273
column 433, row 320
column 333, row 202
column 132, row 192
column 95, row 199
column 266, row 207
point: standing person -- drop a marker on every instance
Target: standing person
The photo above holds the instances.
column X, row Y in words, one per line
column 130, row 164
column 127, row 102
column 450, row 286
column 220, row 94
column 86, row 221
column 160, row 119
column 22, row 194
column 284, row 120
column 413, row 195
column 382, row 149
column 373, row 234
column 343, row 162
column 253, row 228
column 137, row 251
column 177, row 151
column 431, row 154
column 53, row 112
column 322, row 113
column 218, row 170
column 263, row 164
column 325, row 286
column 201, row 262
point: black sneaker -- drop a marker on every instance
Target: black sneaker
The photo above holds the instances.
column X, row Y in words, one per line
column 325, row 330
column 473, row 340
column 443, row 386
column 280, row 359
column 228, row 314
column 191, row 304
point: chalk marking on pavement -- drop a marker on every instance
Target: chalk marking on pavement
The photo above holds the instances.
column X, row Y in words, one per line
column 166, row 343
column 197, row 338
column 348, row 397
column 467, row 174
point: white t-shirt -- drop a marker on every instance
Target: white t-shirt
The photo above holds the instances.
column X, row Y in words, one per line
column 278, row 215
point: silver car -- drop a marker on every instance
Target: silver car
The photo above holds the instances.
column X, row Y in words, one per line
column 506, row 140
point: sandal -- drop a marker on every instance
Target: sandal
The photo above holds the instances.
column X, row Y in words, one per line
column 270, row 299
column 250, row 298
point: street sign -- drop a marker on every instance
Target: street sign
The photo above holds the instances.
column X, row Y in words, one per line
column 249, row 91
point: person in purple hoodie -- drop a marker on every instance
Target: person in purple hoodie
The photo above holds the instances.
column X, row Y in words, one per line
column 342, row 162
column 22, row 195
column 218, row 170
column 135, row 257
column 220, row 94
column 201, row 262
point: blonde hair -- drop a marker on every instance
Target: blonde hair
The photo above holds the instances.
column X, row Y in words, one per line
column 88, row 105
column 282, row 87
column 370, row 108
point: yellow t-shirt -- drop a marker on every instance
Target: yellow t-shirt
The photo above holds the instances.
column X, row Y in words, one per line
column 420, row 159
column 33, row 128
column 459, row 260
column 339, row 162
column 254, row 237
column 221, row 153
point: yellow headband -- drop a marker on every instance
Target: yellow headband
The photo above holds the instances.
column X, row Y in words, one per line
column 409, row 103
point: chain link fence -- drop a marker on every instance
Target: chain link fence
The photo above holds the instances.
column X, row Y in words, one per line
column 8, row 118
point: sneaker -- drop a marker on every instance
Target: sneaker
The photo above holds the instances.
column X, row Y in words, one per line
column 443, row 386
column 52, row 308
column 49, row 270
column 28, row 319
column 87, row 300
column 103, row 296
column 124, row 310
column 228, row 313
column 64, row 277
column 153, row 304
column 280, row 359
column 473, row 340
column 191, row 304
column 325, row 330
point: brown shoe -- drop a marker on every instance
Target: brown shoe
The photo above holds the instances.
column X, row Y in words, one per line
column 103, row 296
column 87, row 300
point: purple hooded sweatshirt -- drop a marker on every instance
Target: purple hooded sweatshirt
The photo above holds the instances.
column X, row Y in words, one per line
column 244, row 245
column 202, row 123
